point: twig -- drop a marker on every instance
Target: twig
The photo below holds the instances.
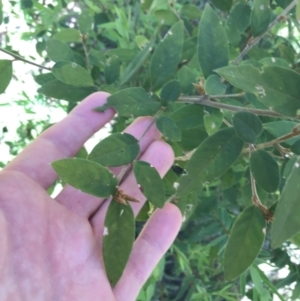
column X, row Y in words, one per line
column 19, row 58
column 204, row 100
column 258, row 38
column 83, row 40
column 255, row 198
column 275, row 141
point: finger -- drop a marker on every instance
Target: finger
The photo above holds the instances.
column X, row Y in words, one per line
column 84, row 204
column 64, row 139
column 161, row 156
column 152, row 243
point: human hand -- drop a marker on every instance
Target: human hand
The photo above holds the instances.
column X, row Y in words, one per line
column 51, row 248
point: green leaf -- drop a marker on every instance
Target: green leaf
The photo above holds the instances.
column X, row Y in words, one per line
column 245, row 241
column 1, row 12
column 85, row 21
column 212, row 42
column 83, row 154
column 188, row 116
column 186, row 78
column 118, row 238
column 168, row 128
column 248, row 126
column 191, row 138
column 72, row 74
column 222, row 4
column 265, row 170
column 97, row 58
column 276, row 87
column 260, row 17
column 68, row 35
column 59, row 90
column 213, row 120
column 296, row 147
column 274, row 61
column 165, row 16
column 59, row 51
column 214, row 85
column 116, row 150
column 170, row 92
column 191, row 11
column 144, row 213
column 286, row 222
column 87, row 176
column 6, row 72
column 44, row 78
column 235, row 25
column 210, row 160
column 150, row 183
column 112, row 69
column 166, row 56
column 135, row 64
column 132, row 102
column 281, row 128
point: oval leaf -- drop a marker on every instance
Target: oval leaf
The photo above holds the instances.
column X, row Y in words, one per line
column 132, row 102
column 72, row 74
column 168, row 128
column 166, row 56
column 247, row 125
column 59, row 51
column 260, row 17
column 170, row 92
column 245, row 241
column 211, row 159
column 213, row 120
column 214, row 85
column 87, row 176
column 150, row 183
column 6, row 72
column 118, row 238
column 286, row 222
column 265, row 170
column 68, row 35
column 116, row 150
column 85, row 21
column 212, row 42
column 112, row 69
column 296, row 147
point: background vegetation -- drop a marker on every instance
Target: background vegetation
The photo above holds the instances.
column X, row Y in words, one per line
column 223, row 78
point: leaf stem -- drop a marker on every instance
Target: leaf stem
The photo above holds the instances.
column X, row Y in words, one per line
column 19, row 58
column 251, row 44
column 204, row 100
column 83, row 41
column 255, row 198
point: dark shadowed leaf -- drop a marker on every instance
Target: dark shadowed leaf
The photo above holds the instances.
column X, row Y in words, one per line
column 222, row 4
column 59, row 90
column 112, row 69
column 59, row 51
column 44, row 78
column 97, row 58
column 144, row 213
column 211, row 159
column 247, row 125
column 265, row 170
column 245, row 241
column 170, row 92
column 212, row 42
column 72, row 74
column 116, row 150
column 87, row 176
column 296, row 147
column 286, row 222
column 135, row 64
column 132, row 102
column 168, row 128
column 260, row 17
column 6, row 71
column 118, row 238
column 274, row 86
column 150, row 183
column 166, row 56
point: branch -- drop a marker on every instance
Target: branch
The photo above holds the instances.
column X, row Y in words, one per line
column 204, row 100
column 19, row 58
column 258, row 38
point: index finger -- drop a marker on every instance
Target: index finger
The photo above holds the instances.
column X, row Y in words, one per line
column 63, row 139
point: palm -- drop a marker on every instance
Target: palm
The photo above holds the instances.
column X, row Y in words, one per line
column 52, row 247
